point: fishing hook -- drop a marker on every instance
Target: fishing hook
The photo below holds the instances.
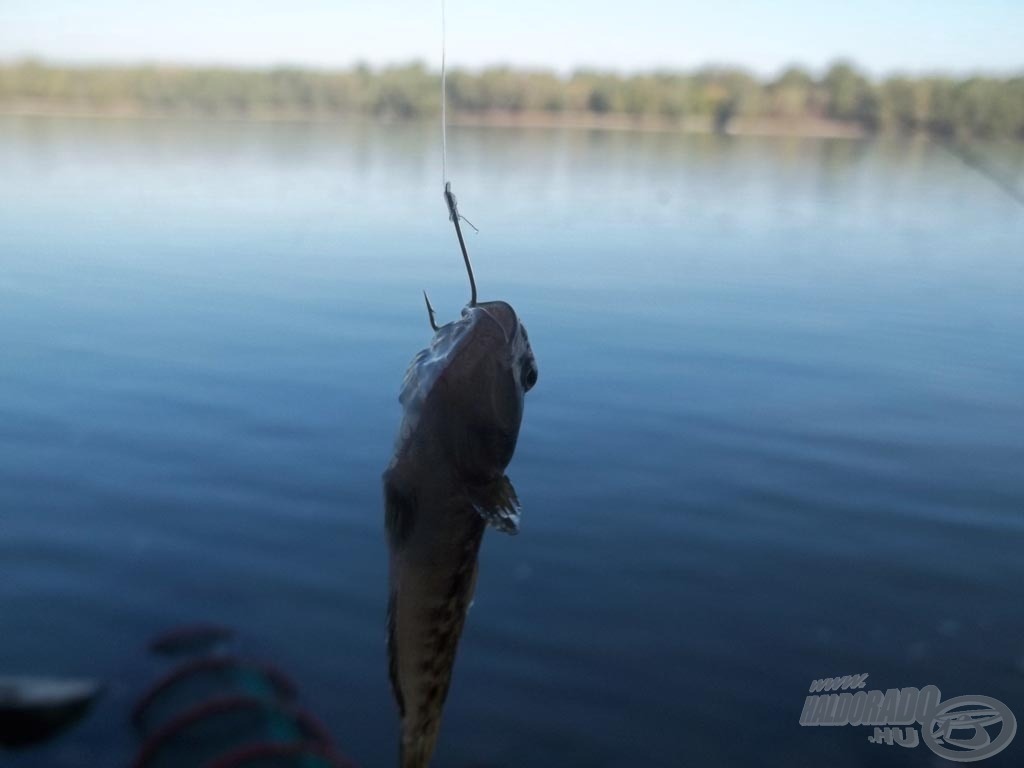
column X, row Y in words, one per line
column 453, row 212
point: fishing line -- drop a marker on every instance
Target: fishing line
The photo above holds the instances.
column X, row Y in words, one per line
column 449, row 196
column 444, row 98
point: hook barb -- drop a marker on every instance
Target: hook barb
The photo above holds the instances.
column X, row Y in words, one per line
column 430, row 312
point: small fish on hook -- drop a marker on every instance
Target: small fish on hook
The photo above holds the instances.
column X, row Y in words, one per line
column 462, row 401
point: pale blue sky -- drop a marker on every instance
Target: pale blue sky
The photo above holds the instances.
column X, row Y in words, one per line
column 882, row 35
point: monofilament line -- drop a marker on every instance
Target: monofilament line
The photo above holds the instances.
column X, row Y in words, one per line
column 444, row 99
column 449, row 197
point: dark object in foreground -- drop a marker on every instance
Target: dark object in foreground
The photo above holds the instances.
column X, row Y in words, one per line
column 35, row 709
column 219, row 711
column 210, row 677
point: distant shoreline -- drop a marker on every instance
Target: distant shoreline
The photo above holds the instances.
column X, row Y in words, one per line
column 842, row 102
column 805, row 128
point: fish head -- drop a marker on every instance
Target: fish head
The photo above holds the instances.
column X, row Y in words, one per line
column 485, row 385
column 512, row 345
column 465, row 392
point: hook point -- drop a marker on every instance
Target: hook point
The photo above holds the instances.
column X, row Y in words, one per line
column 430, row 312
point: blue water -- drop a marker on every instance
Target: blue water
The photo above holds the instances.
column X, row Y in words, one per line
column 778, row 433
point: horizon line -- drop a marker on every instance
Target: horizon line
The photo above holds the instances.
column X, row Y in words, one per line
column 712, row 66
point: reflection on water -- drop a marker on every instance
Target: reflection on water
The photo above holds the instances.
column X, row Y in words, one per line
column 778, row 434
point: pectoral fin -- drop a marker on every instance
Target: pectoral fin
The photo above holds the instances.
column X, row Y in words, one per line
column 498, row 504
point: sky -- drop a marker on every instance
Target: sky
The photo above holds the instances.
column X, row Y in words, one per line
column 883, row 36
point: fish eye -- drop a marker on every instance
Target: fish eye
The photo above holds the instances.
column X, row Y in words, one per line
column 528, row 376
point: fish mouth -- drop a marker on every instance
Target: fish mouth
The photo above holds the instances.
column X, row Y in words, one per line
column 503, row 314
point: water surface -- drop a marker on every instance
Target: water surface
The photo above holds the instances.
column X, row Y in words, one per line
column 778, row 432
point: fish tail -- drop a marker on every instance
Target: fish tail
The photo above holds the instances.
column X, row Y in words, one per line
column 417, row 753
column 421, row 696
column 425, row 620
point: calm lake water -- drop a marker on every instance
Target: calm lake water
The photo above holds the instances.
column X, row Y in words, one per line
column 778, row 433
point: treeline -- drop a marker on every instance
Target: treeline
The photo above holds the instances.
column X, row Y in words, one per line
column 970, row 107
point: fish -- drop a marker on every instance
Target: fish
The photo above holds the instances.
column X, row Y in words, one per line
column 462, row 400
